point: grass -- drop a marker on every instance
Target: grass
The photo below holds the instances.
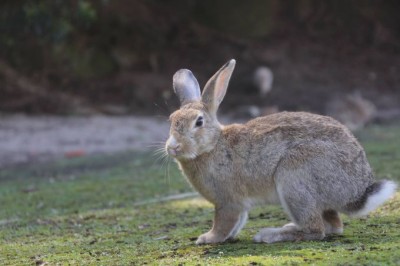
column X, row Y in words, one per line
column 93, row 211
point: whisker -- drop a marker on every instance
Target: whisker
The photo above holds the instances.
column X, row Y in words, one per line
column 159, row 154
column 168, row 175
column 155, row 144
column 158, row 159
column 159, row 151
column 165, row 166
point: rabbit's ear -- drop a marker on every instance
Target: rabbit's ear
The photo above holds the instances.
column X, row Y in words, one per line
column 186, row 86
column 216, row 87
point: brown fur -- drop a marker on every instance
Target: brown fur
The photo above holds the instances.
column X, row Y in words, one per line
column 309, row 163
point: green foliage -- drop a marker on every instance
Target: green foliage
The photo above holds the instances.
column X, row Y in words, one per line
column 240, row 18
column 50, row 21
column 85, row 211
column 38, row 25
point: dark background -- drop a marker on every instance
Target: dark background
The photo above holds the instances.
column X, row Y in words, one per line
column 118, row 56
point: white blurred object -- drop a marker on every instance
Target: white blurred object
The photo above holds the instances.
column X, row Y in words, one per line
column 246, row 112
column 352, row 110
column 263, row 79
column 254, row 111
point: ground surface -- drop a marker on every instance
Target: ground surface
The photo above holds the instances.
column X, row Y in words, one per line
column 103, row 210
column 25, row 139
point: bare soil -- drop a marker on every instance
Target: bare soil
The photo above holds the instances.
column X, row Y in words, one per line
column 28, row 139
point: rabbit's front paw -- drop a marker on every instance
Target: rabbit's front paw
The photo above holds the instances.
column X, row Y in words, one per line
column 209, row 238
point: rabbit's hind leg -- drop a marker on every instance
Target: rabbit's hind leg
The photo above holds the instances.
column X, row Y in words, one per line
column 333, row 223
column 301, row 207
column 291, row 232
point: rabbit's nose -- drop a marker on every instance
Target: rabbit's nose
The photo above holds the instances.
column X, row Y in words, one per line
column 173, row 149
column 173, row 146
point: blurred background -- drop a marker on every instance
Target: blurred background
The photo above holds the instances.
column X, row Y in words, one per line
column 117, row 57
column 86, row 91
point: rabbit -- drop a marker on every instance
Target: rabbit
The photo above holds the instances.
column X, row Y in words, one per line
column 353, row 110
column 312, row 165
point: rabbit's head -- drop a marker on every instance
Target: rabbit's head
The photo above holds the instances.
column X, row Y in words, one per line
column 194, row 127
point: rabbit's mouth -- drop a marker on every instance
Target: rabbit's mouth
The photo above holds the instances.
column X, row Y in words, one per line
column 179, row 150
column 180, row 155
column 173, row 152
column 173, row 147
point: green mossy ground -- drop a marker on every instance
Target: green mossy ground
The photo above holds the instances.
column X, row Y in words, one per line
column 93, row 211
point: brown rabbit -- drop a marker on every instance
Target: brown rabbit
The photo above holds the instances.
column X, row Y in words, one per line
column 352, row 110
column 310, row 164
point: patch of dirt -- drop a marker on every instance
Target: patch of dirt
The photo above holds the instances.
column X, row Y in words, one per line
column 27, row 139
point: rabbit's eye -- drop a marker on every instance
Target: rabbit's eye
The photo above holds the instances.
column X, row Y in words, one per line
column 199, row 121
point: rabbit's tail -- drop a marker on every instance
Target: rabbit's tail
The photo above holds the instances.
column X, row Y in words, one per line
column 375, row 195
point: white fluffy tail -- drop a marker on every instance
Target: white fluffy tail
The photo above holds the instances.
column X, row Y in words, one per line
column 375, row 198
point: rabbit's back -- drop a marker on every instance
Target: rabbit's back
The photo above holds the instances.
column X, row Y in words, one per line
column 274, row 136
column 291, row 140
column 298, row 137
column 300, row 126
column 316, row 153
